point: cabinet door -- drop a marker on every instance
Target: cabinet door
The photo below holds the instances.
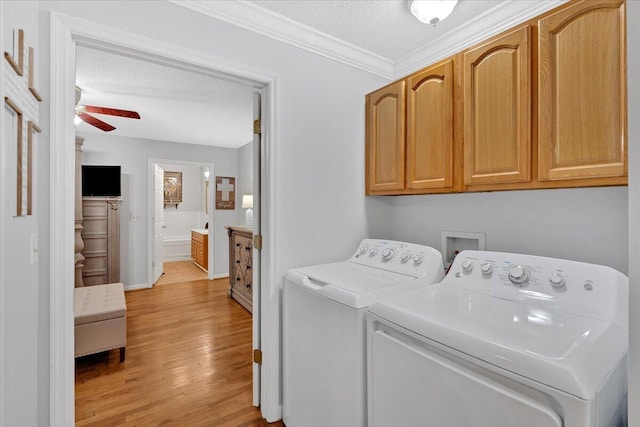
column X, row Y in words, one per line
column 582, row 92
column 497, row 110
column 430, row 128
column 385, row 139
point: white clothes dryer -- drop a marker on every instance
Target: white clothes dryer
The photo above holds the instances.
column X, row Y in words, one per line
column 504, row 340
column 324, row 306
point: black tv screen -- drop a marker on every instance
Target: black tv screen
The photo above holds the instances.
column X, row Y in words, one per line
column 100, row 181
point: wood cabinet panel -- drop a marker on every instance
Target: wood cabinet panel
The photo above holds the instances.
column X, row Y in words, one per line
column 430, row 134
column 101, row 236
column 385, row 139
column 497, row 110
column 200, row 249
column 582, row 92
column 241, row 265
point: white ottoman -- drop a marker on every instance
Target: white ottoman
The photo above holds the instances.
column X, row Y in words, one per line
column 100, row 319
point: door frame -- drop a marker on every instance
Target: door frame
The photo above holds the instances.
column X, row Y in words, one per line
column 150, row 208
column 65, row 33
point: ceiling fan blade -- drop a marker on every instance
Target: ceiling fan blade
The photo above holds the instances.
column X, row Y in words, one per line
column 111, row 111
column 95, row 122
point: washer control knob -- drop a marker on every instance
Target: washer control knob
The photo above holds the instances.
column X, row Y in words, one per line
column 373, row 251
column 519, row 275
column 405, row 257
column 417, row 259
column 363, row 250
column 486, row 268
column 467, row 265
column 556, row 280
column 387, row 254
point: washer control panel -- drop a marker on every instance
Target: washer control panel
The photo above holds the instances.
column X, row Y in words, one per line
column 400, row 257
column 573, row 287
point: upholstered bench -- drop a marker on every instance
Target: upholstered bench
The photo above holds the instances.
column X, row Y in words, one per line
column 100, row 319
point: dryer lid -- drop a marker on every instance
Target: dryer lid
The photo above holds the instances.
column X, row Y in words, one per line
column 350, row 283
column 571, row 353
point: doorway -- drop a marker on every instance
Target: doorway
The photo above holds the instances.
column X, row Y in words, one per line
column 66, row 33
column 176, row 222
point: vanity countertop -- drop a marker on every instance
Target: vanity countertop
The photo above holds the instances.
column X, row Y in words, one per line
column 200, row 230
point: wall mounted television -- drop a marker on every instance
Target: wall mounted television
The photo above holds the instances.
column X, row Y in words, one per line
column 100, row 181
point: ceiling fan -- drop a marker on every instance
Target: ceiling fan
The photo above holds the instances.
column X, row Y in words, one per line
column 82, row 110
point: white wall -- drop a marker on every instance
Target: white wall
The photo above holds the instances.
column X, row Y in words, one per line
column 320, row 121
column 322, row 211
column 588, row 224
column 23, row 326
column 320, row 130
column 133, row 154
column 633, row 93
column 244, row 181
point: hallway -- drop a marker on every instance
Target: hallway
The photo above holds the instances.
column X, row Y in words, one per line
column 188, row 363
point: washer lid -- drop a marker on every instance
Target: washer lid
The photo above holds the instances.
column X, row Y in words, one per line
column 564, row 351
column 351, row 283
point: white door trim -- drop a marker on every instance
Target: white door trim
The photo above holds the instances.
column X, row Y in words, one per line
column 65, row 32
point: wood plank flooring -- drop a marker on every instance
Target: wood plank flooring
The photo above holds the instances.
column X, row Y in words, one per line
column 188, row 363
column 179, row 272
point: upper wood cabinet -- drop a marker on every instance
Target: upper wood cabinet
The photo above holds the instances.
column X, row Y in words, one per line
column 582, row 92
column 497, row 110
column 385, row 150
column 542, row 105
column 430, row 128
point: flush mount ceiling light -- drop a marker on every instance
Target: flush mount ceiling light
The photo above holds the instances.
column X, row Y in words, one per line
column 431, row 11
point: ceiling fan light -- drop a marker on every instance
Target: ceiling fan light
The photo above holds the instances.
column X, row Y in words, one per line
column 432, row 11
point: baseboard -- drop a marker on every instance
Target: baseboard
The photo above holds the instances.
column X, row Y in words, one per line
column 136, row 287
column 220, row 276
column 176, row 249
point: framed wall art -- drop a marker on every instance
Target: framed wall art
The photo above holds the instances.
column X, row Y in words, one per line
column 225, row 192
column 172, row 188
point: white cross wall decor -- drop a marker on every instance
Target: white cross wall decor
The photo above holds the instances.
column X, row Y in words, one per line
column 21, row 101
column 225, row 192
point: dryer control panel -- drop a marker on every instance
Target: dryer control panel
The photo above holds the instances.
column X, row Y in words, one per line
column 572, row 287
column 400, row 257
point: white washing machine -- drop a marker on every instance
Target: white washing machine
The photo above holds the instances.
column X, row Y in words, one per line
column 505, row 340
column 323, row 319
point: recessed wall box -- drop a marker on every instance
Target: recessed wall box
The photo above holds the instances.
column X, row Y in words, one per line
column 453, row 241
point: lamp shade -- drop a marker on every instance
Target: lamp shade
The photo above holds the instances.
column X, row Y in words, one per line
column 432, row 11
column 247, row 201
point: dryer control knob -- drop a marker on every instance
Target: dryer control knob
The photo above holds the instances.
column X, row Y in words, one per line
column 387, row 254
column 467, row 265
column 417, row 259
column 486, row 268
column 556, row 280
column 373, row 251
column 405, row 257
column 519, row 275
column 363, row 250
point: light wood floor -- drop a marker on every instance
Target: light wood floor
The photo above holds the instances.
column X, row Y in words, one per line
column 188, row 363
column 179, row 272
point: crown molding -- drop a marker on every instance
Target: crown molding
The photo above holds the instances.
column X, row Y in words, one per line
column 490, row 23
column 250, row 16
column 262, row 21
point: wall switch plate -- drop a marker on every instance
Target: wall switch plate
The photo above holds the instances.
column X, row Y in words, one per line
column 132, row 217
column 34, row 248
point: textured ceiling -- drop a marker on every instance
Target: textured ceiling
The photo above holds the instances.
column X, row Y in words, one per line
column 174, row 105
column 384, row 27
column 380, row 36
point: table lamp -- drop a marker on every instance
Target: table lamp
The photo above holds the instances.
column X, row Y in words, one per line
column 247, row 203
